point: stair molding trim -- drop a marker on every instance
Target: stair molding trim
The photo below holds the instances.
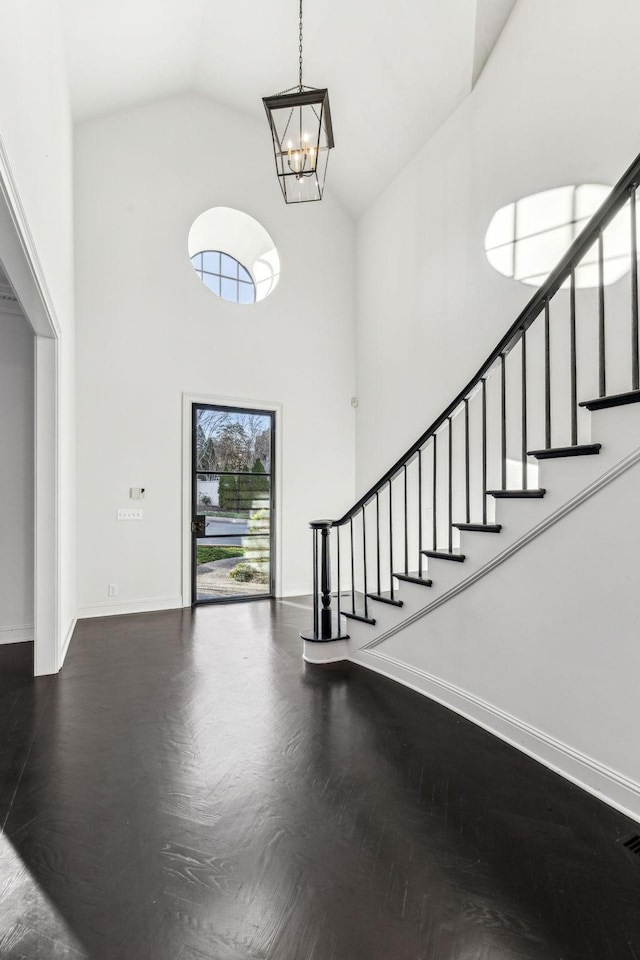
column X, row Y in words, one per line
column 584, row 771
column 566, row 508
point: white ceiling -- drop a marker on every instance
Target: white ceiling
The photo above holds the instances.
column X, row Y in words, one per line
column 395, row 71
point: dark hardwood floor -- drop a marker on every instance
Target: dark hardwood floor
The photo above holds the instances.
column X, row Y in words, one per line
column 187, row 789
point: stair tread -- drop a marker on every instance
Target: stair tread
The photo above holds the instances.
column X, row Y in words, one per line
column 414, row 577
column 358, row 616
column 516, row 494
column 614, row 400
column 444, row 555
column 385, row 598
column 577, row 450
column 479, row 527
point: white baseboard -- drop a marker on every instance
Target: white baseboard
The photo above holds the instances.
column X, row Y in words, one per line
column 16, row 634
column 118, row 607
column 594, row 777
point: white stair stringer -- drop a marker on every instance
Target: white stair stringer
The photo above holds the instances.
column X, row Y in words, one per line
column 523, row 631
column 618, row 431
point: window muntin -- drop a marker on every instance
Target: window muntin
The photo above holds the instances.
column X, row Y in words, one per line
column 225, row 276
column 222, row 232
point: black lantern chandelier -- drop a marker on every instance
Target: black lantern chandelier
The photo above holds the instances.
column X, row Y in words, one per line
column 300, row 121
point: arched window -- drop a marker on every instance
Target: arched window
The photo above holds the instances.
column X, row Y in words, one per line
column 233, row 255
column 526, row 238
column 225, row 276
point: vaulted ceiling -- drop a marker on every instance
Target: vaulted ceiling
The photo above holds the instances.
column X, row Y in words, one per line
column 395, row 71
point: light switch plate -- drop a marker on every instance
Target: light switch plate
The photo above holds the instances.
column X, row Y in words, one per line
column 129, row 514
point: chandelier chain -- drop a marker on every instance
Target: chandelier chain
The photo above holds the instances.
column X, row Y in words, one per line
column 300, row 47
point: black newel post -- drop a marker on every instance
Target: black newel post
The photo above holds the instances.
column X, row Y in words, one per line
column 324, row 626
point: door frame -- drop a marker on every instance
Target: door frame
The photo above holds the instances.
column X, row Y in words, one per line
column 22, row 265
column 270, row 406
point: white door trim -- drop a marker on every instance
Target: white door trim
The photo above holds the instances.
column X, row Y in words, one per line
column 47, row 653
column 188, row 399
column 20, row 260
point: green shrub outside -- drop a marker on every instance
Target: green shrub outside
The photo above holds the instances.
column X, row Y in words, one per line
column 209, row 554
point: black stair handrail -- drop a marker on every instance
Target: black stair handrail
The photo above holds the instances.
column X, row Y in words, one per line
column 617, row 198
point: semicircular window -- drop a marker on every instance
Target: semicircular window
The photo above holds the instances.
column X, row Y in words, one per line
column 233, row 255
column 526, row 239
column 225, row 276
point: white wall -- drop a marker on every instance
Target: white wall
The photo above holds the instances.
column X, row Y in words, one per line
column 552, row 107
column 544, row 649
column 16, row 479
column 148, row 330
column 36, row 163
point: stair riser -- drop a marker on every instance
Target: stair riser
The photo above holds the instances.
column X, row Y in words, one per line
column 514, row 476
column 619, row 425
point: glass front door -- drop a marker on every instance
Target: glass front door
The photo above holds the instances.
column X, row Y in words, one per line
column 232, row 503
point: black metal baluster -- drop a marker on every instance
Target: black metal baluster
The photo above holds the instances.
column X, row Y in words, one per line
column 574, row 362
column 450, row 487
column 391, row 539
column 353, row 574
column 406, row 526
column 635, row 339
column 524, row 409
column 547, row 379
column 466, row 461
column 601, row 329
column 315, row 583
column 435, row 493
column 322, row 614
column 484, row 450
column 338, row 529
column 419, row 513
column 503, row 414
column 364, row 554
column 378, row 539
column 325, row 583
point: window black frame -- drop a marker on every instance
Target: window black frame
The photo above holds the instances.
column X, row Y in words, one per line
column 271, row 414
column 202, row 273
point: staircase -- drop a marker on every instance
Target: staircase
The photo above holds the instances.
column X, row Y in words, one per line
column 565, row 482
column 540, row 437
column 526, row 434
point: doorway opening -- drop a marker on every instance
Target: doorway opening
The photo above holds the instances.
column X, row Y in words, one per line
column 232, row 503
column 25, row 293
